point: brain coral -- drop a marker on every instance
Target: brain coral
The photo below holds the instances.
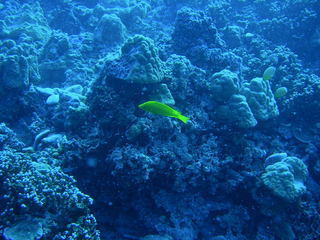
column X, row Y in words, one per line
column 25, row 22
column 236, row 112
column 18, row 66
column 110, row 30
column 285, row 178
column 223, row 85
column 138, row 63
column 260, row 99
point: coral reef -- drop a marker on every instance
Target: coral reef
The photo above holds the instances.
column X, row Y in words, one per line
column 79, row 157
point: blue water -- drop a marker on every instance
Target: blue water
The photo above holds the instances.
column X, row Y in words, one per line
column 81, row 158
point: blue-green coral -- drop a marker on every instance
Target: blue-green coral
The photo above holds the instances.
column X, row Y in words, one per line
column 260, row 99
column 142, row 54
column 286, row 178
column 35, row 186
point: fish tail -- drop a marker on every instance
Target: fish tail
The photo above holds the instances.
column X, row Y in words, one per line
column 183, row 118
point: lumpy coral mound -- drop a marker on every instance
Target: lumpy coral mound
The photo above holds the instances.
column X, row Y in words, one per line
column 286, row 178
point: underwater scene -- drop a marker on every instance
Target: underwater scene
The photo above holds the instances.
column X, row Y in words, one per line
column 159, row 120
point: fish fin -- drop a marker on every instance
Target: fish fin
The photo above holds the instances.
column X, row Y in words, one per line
column 183, row 118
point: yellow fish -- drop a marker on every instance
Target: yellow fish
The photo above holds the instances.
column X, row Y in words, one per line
column 280, row 92
column 268, row 73
column 162, row 109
